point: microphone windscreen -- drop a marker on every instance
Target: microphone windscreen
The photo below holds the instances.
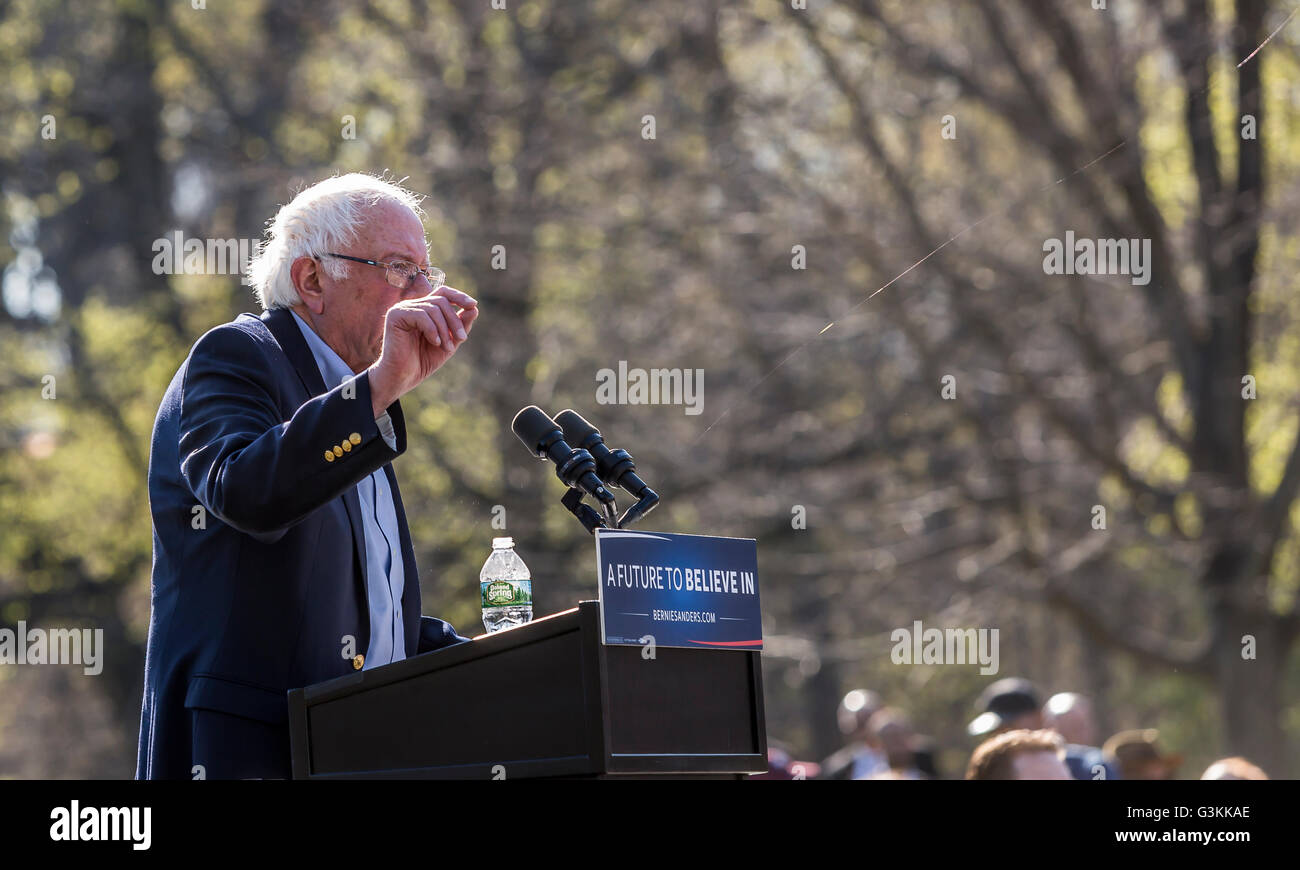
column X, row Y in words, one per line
column 576, row 429
column 532, row 424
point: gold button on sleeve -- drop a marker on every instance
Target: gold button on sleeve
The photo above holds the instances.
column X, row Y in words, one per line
column 358, row 661
column 329, row 455
column 338, row 451
column 355, row 438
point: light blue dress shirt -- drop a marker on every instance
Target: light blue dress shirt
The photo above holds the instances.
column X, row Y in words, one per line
column 385, row 570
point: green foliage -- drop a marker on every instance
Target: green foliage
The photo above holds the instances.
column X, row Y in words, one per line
column 524, row 129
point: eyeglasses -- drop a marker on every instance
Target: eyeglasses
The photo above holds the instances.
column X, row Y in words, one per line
column 401, row 273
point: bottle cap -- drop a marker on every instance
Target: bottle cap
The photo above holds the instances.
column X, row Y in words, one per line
column 502, row 543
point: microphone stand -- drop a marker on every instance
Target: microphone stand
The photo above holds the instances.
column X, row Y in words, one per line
column 586, row 515
column 640, row 509
column 591, row 520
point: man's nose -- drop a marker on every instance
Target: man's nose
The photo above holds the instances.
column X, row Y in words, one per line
column 418, row 287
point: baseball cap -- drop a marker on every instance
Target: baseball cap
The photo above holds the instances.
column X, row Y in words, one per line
column 1005, row 699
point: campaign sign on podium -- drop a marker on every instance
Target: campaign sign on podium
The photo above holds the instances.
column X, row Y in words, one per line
column 681, row 590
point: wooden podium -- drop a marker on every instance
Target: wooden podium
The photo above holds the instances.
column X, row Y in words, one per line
column 545, row 699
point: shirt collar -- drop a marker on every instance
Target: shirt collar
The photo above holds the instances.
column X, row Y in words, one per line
column 333, row 370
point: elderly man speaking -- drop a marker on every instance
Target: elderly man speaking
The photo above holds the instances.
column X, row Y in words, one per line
column 281, row 551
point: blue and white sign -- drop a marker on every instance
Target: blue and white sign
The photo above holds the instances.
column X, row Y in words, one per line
column 681, row 590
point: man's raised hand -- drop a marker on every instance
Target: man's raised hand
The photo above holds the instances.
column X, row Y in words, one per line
column 419, row 336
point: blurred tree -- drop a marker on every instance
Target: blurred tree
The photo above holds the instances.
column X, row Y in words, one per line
column 1078, row 391
column 707, row 187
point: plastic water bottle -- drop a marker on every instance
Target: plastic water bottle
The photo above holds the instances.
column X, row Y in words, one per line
column 506, row 587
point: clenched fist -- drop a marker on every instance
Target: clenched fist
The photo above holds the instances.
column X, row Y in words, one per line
column 419, row 336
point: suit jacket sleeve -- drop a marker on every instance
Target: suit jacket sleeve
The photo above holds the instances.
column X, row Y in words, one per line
column 436, row 634
column 249, row 467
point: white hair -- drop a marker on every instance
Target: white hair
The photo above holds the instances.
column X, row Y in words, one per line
column 322, row 218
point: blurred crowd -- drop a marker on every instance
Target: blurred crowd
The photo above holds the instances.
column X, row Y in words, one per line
column 1016, row 736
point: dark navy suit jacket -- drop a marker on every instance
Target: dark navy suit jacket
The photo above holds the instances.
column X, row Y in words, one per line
column 258, row 578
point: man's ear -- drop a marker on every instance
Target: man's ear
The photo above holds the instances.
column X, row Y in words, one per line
column 305, row 274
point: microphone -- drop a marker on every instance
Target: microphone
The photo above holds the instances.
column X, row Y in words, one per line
column 615, row 467
column 576, row 469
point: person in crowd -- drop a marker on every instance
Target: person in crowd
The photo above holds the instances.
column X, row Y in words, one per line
column 1071, row 715
column 924, row 757
column 1233, row 768
column 1137, row 755
column 1020, row 754
column 1009, row 704
column 893, row 733
column 861, row 756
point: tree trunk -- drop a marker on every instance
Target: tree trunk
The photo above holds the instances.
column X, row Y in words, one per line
column 1249, row 680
